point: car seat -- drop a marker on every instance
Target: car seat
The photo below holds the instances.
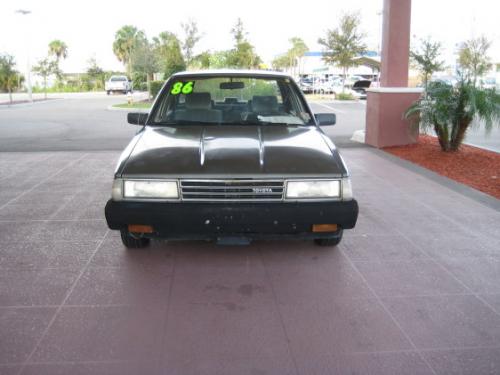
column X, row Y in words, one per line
column 265, row 105
column 199, row 108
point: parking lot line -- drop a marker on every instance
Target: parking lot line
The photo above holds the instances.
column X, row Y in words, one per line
column 42, row 181
column 68, row 293
column 329, row 107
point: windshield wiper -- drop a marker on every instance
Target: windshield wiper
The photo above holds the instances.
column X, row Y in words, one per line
column 260, row 123
column 251, row 123
column 185, row 122
column 267, row 123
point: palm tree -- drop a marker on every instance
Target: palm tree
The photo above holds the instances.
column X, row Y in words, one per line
column 58, row 49
column 450, row 110
column 125, row 42
column 299, row 48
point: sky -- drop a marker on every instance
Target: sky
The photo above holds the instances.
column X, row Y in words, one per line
column 88, row 27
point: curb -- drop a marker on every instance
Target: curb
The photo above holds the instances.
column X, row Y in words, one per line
column 29, row 104
column 141, row 110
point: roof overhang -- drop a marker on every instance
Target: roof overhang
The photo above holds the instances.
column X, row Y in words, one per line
column 371, row 62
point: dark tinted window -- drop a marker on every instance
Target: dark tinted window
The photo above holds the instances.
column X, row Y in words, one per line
column 231, row 100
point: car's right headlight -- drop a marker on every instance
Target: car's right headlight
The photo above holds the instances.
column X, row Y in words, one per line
column 145, row 189
column 319, row 189
column 313, row 189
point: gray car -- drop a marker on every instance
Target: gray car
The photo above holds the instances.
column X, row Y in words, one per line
column 231, row 156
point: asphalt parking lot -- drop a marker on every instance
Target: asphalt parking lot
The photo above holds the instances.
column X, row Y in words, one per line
column 413, row 289
column 85, row 124
column 65, row 124
column 82, row 122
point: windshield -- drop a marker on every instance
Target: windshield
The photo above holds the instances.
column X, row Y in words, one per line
column 231, row 100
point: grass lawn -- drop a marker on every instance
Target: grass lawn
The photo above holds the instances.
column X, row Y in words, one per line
column 142, row 105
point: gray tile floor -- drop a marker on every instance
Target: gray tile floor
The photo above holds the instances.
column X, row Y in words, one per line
column 414, row 289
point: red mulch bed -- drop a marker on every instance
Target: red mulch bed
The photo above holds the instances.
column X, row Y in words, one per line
column 470, row 165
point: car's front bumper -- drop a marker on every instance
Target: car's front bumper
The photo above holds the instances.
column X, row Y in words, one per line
column 181, row 220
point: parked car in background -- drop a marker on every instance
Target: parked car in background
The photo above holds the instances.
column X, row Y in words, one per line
column 118, row 84
column 306, row 85
column 360, row 87
column 334, row 88
column 350, row 80
column 231, row 156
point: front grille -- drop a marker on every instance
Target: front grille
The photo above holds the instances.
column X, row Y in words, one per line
column 238, row 190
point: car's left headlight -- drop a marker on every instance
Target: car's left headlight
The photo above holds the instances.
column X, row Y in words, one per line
column 145, row 189
column 313, row 189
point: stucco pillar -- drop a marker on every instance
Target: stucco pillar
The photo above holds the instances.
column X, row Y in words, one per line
column 395, row 43
column 385, row 125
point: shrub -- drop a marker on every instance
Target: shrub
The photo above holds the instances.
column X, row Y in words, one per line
column 156, row 87
column 142, row 87
column 450, row 110
column 138, row 81
column 344, row 96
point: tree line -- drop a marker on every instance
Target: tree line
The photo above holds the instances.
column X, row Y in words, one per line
column 473, row 61
column 11, row 79
column 168, row 53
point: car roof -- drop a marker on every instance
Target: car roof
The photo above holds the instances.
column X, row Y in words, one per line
column 232, row 72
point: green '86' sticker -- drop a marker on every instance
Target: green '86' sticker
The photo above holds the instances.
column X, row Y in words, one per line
column 182, row 88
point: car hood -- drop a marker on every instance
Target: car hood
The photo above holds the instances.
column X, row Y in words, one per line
column 232, row 151
column 362, row 84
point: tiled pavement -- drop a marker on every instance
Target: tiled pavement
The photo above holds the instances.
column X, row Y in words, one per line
column 414, row 289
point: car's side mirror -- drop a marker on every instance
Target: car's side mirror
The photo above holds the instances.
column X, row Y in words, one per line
column 324, row 119
column 137, row 118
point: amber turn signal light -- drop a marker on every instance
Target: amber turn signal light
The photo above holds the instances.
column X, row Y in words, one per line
column 324, row 227
column 137, row 228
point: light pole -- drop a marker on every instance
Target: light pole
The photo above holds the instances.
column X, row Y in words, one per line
column 379, row 38
column 25, row 12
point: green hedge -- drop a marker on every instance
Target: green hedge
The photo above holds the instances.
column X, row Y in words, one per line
column 138, row 81
column 156, row 87
column 345, row 96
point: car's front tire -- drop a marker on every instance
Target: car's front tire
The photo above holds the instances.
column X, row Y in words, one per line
column 329, row 241
column 131, row 242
